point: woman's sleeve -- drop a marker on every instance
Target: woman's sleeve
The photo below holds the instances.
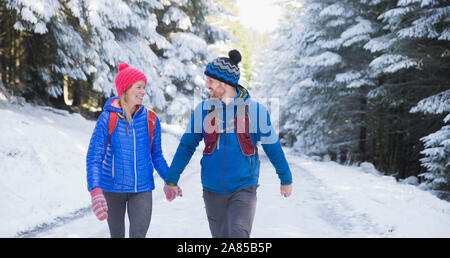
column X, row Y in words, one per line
column 159, row 162
column 96, row 151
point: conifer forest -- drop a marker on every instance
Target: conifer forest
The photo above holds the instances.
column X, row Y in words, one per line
column 357, row 80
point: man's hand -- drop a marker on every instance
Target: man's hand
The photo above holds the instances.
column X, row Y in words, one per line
column 172, row 191
column 286, row 190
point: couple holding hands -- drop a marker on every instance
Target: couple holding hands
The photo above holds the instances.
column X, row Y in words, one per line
column 125, row 147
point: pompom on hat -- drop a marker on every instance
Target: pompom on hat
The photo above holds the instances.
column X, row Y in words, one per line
column 225, row 69
column 126, row 77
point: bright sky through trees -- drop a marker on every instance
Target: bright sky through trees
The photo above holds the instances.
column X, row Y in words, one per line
column 261, row 15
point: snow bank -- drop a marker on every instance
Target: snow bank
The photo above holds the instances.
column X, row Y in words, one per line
column 397, row 209
column 42, row 164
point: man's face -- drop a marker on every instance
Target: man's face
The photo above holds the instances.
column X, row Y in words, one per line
column 216, row 88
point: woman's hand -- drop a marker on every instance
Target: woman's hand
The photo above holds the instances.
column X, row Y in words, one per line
column 99, row 205
column 172, row 191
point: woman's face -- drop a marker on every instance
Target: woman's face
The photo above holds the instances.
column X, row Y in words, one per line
column 136, row 93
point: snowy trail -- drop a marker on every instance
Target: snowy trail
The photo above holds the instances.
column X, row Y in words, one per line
column 338, row 217
column 315, row 209
column 43, row 190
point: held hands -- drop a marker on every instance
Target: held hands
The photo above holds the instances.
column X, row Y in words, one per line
column 172, row 191
column 286, row 190
column 99, row 205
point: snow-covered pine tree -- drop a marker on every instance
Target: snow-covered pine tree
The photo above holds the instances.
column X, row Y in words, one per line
column 184, row 25
column 167, row 40
column 320, row 70
column 122, row 31
column 413, row 64
column 386, row 55
column 282, row 77
column 437, row 144
column 55, row 49
column 83, row 41
column 434, row 23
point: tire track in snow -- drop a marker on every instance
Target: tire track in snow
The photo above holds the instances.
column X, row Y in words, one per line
column 313, row 210
column 333, row 208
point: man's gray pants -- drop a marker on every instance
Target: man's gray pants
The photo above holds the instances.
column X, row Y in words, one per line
column 139, row 207
column 231, row 215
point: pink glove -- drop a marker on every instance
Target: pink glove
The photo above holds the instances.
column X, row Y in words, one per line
column 171, row 194
column 99, row 205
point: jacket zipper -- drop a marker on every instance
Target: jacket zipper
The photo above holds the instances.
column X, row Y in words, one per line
column 134, row 144
column 223, row 174
column 224, row 150
column 113, row 166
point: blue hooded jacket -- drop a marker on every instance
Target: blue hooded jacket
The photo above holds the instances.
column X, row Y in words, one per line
column 127, row 165
column 227, row 169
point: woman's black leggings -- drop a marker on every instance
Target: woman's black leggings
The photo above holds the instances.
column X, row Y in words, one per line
column 139, row 207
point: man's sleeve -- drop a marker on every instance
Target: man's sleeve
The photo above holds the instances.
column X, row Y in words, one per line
column 188, row 143
column 158, row 160
column 271, row 145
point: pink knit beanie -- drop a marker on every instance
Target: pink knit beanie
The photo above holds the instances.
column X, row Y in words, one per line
column 126, row 77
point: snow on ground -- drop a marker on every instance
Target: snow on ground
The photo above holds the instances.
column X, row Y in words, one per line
column 43, row 190
column 42, row 162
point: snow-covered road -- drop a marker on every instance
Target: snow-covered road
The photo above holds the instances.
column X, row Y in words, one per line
column 344, row 203
column 43, row 190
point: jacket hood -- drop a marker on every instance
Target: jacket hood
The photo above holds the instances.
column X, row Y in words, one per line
column 243, row 96
column 112, row 105
column 243, row 93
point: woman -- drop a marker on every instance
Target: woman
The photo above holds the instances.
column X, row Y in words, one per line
column 122, row 155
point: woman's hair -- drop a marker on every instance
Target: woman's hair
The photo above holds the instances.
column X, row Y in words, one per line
column 125, row 106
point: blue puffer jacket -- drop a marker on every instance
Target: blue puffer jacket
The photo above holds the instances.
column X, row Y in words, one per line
column 227, row 169
column 127, row 165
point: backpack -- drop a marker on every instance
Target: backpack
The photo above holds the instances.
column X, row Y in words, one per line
column 113, row 118
column 241, row 126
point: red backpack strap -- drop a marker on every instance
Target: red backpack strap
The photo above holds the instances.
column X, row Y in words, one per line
column 242, row 128
column 151, row 122
column 113, row 117
column 211, row 128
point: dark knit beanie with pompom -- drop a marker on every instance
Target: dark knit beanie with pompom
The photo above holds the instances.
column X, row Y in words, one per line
column 225, row 69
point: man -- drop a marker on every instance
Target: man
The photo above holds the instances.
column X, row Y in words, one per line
column 230, row 123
